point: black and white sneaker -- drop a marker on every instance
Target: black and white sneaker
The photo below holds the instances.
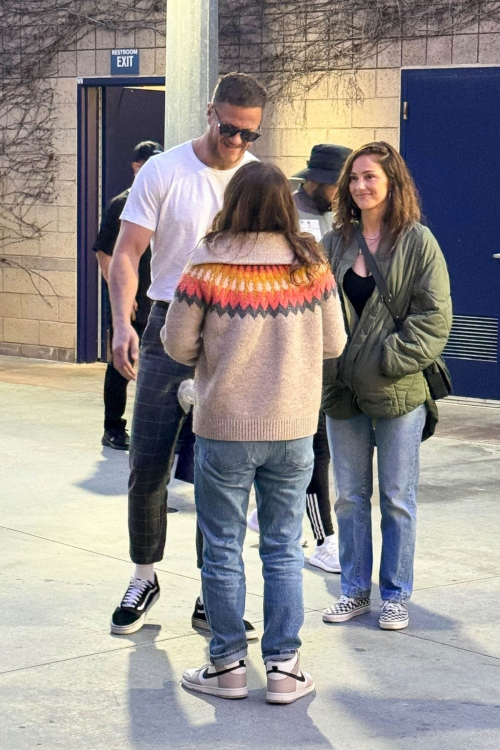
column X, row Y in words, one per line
column 346, row 608
column 199, row 622
column 393, row 616
column 138, row 600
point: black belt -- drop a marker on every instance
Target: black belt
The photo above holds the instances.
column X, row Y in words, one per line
column 163, row 305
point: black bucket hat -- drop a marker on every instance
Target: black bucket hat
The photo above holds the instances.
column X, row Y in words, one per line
column 325, row 164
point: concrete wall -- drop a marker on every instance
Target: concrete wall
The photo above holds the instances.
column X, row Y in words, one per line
column 328, row 113
column 45, row 327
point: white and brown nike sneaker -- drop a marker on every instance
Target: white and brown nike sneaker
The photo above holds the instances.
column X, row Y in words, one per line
column 227, row 682
column 286, row 682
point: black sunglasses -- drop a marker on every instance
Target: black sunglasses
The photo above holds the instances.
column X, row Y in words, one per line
column 231, row 130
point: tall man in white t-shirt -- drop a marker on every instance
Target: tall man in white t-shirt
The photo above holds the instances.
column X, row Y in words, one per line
column 171, row 206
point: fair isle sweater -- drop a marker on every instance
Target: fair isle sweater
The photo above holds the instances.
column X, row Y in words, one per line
column 257, row 339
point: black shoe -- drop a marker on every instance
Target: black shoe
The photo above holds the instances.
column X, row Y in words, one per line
column 117, row 438
column 199, row 621
column 138, row 600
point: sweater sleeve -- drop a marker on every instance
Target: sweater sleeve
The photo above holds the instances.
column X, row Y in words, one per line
column 425, row 330
column 182, row 333
column 334, row 334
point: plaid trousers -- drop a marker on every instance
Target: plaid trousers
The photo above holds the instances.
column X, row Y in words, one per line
column 157, row 423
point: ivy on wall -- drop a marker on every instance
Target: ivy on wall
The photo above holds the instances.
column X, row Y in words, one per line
column 290, row 45
column 33, row 32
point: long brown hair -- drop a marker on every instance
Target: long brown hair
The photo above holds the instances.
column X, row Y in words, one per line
column 258, row 199
column 403, row 206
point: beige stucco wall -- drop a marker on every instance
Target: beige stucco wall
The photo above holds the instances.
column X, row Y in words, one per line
column 30, row 327
column 329, row 114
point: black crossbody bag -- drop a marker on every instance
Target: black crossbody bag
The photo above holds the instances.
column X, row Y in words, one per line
column 437, row 374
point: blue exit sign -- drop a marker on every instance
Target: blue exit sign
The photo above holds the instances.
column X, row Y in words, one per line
column 124, row 61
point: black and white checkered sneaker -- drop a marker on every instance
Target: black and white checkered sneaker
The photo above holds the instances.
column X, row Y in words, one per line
column 393, row 616
column 346, row 608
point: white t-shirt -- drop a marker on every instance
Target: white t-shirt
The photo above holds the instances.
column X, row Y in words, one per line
column 176, row 196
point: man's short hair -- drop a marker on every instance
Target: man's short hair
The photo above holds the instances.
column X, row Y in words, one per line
column 143, row 151
column 241, row 90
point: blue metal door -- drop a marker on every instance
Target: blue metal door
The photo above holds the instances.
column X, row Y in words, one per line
column 450, row 139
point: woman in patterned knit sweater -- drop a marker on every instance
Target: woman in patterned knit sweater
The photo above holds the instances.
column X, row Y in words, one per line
column 256, row 311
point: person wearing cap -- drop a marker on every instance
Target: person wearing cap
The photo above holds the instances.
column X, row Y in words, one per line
column 313, row 202
column 115, row 385
column 314, row 197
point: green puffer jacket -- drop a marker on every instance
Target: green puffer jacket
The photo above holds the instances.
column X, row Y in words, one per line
column 380, row 371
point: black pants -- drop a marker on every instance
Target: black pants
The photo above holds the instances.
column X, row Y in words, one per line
column 115, row 392
column 185, row 471
column 318, row 493
column 156, row 428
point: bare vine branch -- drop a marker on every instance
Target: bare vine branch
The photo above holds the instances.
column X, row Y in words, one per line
column 290, row 44
column 293, row 45
column 32, row 274
column 33, row 32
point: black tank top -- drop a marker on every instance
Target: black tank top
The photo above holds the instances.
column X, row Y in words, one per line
column 358, row 289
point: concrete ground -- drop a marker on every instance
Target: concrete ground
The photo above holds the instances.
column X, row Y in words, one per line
column 66, row 683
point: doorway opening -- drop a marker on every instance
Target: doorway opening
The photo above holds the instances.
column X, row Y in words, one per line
column 114, row 115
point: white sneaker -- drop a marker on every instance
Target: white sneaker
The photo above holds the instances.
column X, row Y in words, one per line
column 326, row 556
column 227, row 682
column 253, row 521
column 286, row 682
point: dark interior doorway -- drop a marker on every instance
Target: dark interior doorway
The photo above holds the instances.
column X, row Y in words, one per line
column 130, row 115
column 113, row 116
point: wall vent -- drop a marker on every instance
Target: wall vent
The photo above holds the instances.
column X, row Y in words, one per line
column 473, row 338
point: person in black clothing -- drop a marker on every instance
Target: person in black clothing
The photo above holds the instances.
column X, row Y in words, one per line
column 313, row 203
column 115, row 385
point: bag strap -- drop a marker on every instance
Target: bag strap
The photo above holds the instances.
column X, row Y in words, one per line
column 377, row 276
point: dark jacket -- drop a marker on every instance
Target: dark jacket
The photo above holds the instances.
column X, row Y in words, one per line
column 105, row 242
column 311, row 220
column 380, row 371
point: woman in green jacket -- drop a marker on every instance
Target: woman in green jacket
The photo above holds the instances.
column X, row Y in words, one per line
column 376, row 393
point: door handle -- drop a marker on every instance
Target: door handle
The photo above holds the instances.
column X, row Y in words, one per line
column 496, row 255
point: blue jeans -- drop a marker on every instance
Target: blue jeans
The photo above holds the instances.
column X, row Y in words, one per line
column 224, row 474
column 398, row 446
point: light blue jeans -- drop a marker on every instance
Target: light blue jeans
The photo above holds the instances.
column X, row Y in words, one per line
column 398, row 447
column 224, row 474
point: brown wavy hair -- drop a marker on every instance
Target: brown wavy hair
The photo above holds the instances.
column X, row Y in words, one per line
column 259, row 199
column 403, row 206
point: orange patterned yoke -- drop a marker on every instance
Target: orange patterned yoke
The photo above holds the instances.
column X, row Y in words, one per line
column 253, row 289
column 256, row 338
